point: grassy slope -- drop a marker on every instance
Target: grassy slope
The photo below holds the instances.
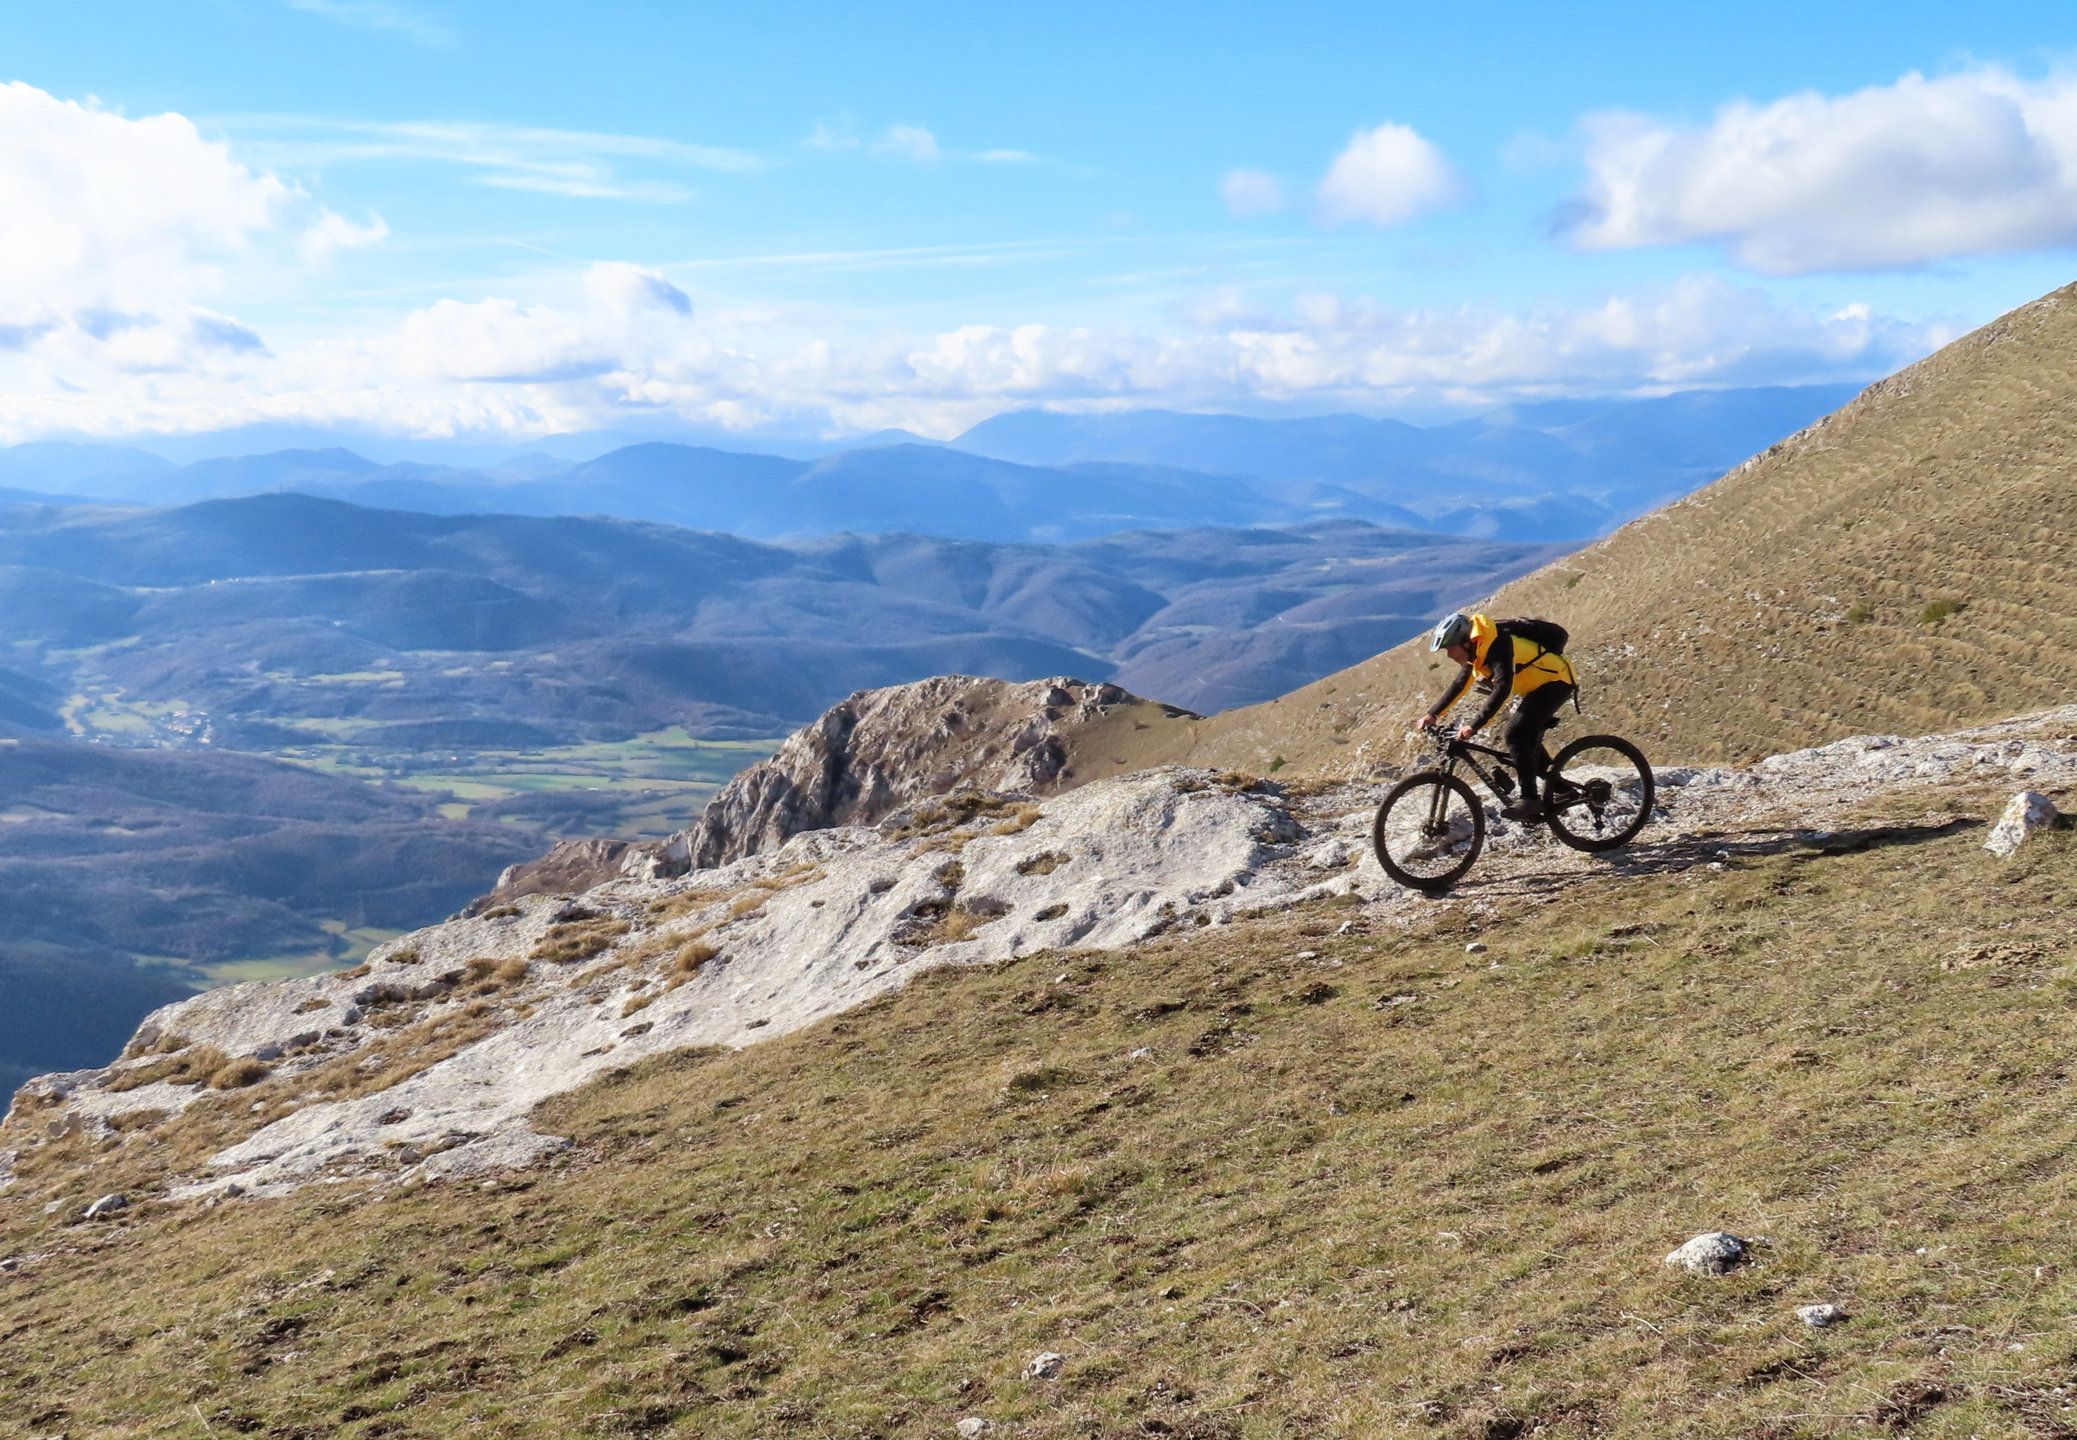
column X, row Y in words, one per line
column 1306, row 1214
column 1719, row 627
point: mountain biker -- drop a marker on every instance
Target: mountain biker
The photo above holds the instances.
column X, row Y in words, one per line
column 1540, row 675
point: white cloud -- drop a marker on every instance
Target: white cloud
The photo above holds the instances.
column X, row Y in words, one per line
column 1898, row 175
column 381, row 15
column 630, row 288
column 108, row 214
column 1251, row 192
column 618, row 345
column 908, row 142
column 1389, row 176
column 826, row 137
column 333, row 233
column 579, row 163
column 915, row 144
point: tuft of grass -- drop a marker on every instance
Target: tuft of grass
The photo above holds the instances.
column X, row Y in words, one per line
column 1939, row 610
column 239, row 1073
column 162, row 1045
column 691, row 958
column 684, row 903
column 1860, row 613
column 489, row 975
column 962, row 810
column 138, row 1120
column 958, row 923
column 191, row 1065
column 579, row 940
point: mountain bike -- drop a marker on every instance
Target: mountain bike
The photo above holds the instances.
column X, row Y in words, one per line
column 1431, row 827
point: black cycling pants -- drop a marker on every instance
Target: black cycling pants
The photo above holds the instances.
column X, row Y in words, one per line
column 1533, row 714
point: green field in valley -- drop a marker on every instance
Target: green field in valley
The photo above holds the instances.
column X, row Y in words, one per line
column 645, row 787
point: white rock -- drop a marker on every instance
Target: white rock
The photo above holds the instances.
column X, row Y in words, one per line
column 1046, row 1366
column 1817, row 1317
column 2029, row 811
column 1710, row 1253
column 107, row 1205
column 1107, row 865
column 1476, row 947
column 973, row 1425
column 1337, row 852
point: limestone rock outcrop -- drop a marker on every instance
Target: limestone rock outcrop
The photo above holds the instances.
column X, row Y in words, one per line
column 549, row 991
column 575, row 866
column 882, row 749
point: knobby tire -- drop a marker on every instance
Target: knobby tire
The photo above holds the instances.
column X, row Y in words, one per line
column 1571, row 825
column 1410, row 801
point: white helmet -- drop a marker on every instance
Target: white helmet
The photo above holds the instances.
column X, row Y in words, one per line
column 1455, row 629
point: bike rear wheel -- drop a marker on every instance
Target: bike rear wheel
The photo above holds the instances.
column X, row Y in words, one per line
column 1598, row 793
column 1429, row 831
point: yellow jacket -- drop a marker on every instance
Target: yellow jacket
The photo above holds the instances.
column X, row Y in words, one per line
column 1533, row 668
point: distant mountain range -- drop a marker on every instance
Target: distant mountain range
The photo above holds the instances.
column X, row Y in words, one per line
column 244, row 615
column 1563, row 470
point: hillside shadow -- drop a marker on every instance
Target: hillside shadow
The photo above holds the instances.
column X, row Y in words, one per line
column 1676, row 854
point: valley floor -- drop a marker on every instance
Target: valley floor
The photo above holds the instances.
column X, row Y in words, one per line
column 1404, row 1168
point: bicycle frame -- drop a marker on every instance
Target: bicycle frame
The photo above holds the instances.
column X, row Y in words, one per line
column 1456, row 751
column 1558, row 793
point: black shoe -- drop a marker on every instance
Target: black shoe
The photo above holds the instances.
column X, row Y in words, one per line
column 1529, row 812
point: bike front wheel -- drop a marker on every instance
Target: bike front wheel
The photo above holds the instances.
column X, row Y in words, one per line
column 1429, row 831
column 1599, row 793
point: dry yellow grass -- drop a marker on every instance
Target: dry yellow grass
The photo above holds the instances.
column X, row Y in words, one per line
column 1392, row 1189
column 692, row 955
column 187, row 1065
column 239, row 1073
column 956, row 924
column 578, row 940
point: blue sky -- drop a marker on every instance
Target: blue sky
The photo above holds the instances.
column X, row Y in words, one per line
column 512, row 220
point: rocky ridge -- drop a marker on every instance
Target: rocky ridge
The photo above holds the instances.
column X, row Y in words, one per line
column 881, row 749
column 866, row 756
column 427, row 1062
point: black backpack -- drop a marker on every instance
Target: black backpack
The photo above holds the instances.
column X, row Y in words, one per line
column 1546, row 635
column 1543, row 634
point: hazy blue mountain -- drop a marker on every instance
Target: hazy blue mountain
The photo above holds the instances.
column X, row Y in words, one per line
column 906, row 487
column 63, row 467
column 1560, row 469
